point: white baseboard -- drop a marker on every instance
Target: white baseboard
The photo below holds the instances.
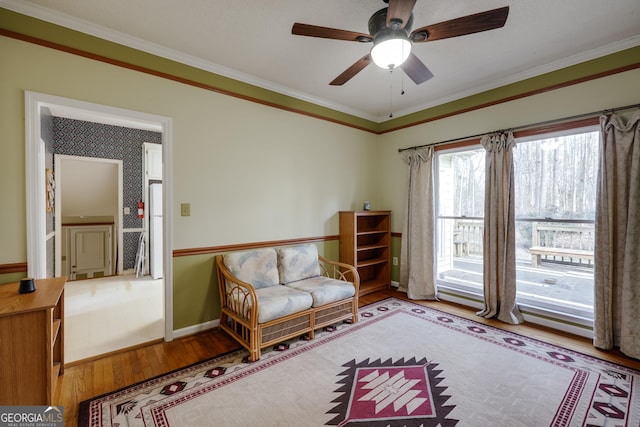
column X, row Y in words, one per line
column 191, row 330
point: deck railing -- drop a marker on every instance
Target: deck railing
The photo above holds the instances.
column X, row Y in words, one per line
column 548, row 240
column 564, row 243
column 578, row 236
column 468, row 236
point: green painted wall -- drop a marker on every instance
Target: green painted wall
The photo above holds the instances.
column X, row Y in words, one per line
column 251, row 172
column 196, row 300
column 11, row 277
column 395, row 252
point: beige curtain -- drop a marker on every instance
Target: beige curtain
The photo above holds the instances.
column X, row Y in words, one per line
column 617, row 251
column 499, row 230
column 417, row 276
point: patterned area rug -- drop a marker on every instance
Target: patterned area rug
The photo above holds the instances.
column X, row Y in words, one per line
column 401, row 365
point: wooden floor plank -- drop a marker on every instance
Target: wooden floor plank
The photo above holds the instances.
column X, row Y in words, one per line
column 117, row 370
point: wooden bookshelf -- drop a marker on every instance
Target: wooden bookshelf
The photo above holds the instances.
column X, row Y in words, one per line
column 32, row 337
column 365, row 242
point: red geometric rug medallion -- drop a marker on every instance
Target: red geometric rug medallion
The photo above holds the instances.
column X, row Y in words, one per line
column 384, row 393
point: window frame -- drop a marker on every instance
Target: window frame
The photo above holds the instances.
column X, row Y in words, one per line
column 469, row 295
column 569, row 320
column 550, row 308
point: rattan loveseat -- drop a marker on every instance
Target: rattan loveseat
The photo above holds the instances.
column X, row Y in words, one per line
column 270, row 295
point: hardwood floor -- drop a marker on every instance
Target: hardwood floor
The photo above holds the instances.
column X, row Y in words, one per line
column 83, row 381
column 100, row 376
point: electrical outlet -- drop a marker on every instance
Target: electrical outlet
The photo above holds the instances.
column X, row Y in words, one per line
column 395, row 260
column 185, row 209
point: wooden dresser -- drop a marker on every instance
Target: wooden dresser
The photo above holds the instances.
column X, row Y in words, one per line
column 31, row 342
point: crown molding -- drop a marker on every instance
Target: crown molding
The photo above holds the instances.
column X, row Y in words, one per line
column 118, row 37
column 526, row 74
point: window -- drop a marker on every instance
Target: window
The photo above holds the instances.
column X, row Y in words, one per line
column 460, row 220
column 555, row 188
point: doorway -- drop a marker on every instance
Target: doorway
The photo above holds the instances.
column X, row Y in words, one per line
column 40, row 238
column 88, row 192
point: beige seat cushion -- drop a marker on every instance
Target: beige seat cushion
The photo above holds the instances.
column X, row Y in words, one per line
column 275, row 302
column 324, row 290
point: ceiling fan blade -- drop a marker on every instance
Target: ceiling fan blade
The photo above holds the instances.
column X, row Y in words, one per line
column 400, row 9
column 416, row 70
column 478, row 22
column 347, row 74
column 299, row 29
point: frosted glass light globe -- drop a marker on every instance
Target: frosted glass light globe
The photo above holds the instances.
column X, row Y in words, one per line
column 390, row 53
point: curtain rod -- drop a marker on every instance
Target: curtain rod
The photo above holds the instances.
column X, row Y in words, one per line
column 533, row 125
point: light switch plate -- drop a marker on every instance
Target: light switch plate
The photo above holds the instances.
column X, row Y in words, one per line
column 185, row 209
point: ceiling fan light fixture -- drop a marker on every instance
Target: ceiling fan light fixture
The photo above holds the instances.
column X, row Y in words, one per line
column 391, row 52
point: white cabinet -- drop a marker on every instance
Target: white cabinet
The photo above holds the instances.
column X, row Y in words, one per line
column 152, row 160
column 88, row 250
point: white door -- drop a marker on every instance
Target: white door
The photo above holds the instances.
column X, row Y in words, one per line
column 89, row 251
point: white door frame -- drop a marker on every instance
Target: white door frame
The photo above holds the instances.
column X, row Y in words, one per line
column 58, row 162
column 35, row 179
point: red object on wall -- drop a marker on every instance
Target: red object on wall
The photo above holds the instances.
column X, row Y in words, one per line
column 140, row 209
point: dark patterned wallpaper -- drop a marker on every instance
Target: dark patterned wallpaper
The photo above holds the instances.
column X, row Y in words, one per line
column 80, row 138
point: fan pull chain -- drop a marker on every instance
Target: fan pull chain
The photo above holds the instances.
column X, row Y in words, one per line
column 390, row 92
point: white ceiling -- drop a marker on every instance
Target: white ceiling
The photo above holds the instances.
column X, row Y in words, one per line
column 251, row 41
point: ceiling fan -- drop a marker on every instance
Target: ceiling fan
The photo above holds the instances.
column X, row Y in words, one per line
column 390, row 32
